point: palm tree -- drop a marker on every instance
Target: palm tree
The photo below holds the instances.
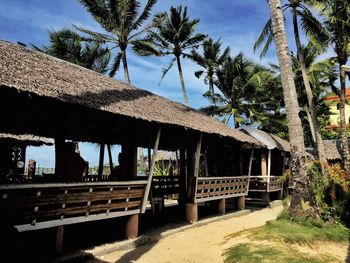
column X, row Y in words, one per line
column 336, row 15
column 173, row 35
column 242, row 85
column 70, row 46
column 315, row 31
column 121, row 20
column 303, row 192
column 210, row 61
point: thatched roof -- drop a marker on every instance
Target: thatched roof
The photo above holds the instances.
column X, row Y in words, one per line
column 36, row 73
column 333, row 149
column 27, row 139
column 269, row 140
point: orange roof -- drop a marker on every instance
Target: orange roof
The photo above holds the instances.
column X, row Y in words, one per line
column 335, row 97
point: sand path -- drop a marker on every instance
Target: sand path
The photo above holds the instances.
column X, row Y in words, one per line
column 205, row 243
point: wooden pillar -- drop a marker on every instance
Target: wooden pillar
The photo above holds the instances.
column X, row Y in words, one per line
column 191, row 212
column 241, row 203
column 132, row 226
column 193, row 169
column 222, row 206
column 263, row 163
column 101, row 160
column 59, row 144
column 109, row 148
column 59, row 240
column 129, row 151
column 183, row 176
column 31, row 168
column 265, row 196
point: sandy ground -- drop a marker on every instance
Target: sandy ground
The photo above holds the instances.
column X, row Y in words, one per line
column 205, row 243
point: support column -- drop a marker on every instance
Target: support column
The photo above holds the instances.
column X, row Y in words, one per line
column 192, row 212
column 241, row 203
column 222, row 206
column 59, row 240
column 59, row 144
column 263, row 163
column 132, row 226
column 193, row 156
column 101, row 160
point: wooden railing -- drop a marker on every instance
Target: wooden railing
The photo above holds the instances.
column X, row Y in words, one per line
column 37, row 206
column 165, row 185
column 213, row 188
column 265, row 183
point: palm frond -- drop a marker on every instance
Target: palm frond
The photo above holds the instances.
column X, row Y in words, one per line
column 115, row 65
column 166, row 70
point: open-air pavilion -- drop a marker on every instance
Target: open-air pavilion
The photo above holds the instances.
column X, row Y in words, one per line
column 49, row 97
column 268, row 164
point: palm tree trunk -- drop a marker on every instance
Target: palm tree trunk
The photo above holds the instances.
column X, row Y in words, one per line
column 312, row 128
column 125, row 66
column 182, row 81
column 314, row 122
column 302, row 193
column 344, row 140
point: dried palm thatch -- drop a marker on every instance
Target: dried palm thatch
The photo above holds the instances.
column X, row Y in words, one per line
column 269, row 140
column 26, row 139
column 36, row 73
column 333, row 149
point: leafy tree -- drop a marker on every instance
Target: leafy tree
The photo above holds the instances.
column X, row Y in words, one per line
column 336, row 17
column 209, row 60
column 68, row 45
column 243, row 92
column 173, row 35
column 121, row 20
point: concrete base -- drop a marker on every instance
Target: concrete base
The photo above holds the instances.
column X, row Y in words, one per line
column 59, row 240
column 132, row 227
column 241, row 203
column 222, row 206
column 191, row 212
column 265, row 197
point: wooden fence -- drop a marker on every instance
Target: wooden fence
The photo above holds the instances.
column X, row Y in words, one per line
column 265, row 183
column 165, row 186
column 213, row 188
column 37, row 206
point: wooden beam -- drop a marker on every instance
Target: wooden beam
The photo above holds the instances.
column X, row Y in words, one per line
column 197, row 155
column 149, row 181
column 268, row 170
column 102, row 155
column 250, row 169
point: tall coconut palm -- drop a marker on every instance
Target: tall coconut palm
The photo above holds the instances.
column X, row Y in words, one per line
column 301, row 12
column 336, row 16
column 240, row 81
column 303, row 193
column 210, row 61
column 69, row 45
column 173, row 35
column 121, row 20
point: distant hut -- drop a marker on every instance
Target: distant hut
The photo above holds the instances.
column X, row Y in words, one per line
column 56, row 99
column 13, row 150
column 268, row 164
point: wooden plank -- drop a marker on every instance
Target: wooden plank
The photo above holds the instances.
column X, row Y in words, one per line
column 149, row 182
column 101, row 160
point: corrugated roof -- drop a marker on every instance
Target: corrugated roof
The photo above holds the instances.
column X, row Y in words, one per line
column 34, row 72
column 269, row 140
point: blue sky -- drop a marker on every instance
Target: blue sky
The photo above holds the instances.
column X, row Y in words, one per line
column 236, row 23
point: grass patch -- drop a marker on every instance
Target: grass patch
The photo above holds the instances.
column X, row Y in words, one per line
column 301, row 232
column 247, row 253
column 291, row 232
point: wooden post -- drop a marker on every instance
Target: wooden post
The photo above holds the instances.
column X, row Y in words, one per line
column 110, row 157
column 250, row 169
column 31, row 169
column 241, row 203
column 132, row 226
column 149, row 181
column 222, row 206
column 59, row 240
column 183, row 176
column 129, row 151
column 102, row 156
column 191, row 205
column 263, row 163
column 268, row 171
column 59, row 143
